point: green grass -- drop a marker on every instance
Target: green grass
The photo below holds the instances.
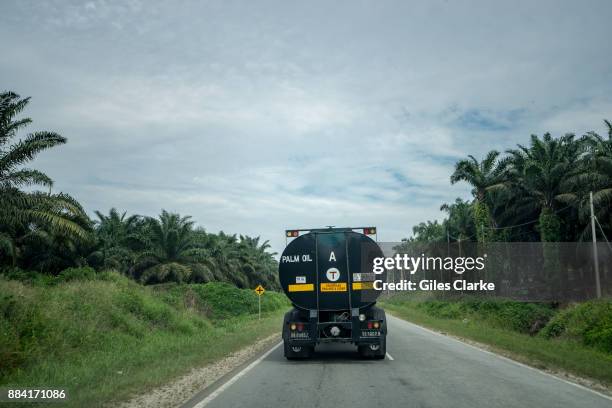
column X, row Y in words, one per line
column 504, row 329
column 589, row 322
column 105, row 339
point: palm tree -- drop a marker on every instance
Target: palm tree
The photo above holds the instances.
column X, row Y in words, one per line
column 484, row 176
column 229, row 260
column 21, row 210
column 541, row 180
column 428, row 232
column 597, row 177
column 242, row 261
column 52, row 250
column 257, row 263
column 173, row 254
column 539, row 191
column 118, row 239
column 460, row 222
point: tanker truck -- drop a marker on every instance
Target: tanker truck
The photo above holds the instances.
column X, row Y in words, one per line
column 327, row 275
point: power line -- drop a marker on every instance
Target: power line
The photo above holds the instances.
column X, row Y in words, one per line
column 525, row 223
column 516, row 225
column 512, row 226
column 462, row 238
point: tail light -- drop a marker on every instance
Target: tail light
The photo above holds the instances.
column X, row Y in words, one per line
column 374, row 325
column 293, row 326
column 300, row 327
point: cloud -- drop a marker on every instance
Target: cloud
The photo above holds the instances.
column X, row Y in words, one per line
column 254, row 118
column 476, row 119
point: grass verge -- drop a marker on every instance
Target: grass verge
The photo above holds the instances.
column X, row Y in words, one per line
column 105, row 340
column 545, row 353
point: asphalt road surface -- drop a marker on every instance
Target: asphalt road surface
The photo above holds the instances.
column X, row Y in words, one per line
column 422, row 369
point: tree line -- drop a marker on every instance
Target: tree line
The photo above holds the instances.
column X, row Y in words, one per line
column 46, row 232
column 535, row 192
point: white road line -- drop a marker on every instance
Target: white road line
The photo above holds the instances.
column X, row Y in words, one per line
column 235, row 378
column 508, row 360
column 389, row 357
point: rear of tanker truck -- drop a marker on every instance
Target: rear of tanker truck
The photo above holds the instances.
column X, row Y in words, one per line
column 327, row 275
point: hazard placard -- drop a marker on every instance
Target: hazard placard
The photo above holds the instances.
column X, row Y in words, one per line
column 363, row 285
column 259, row 290
column 302, row 287
column 333, row 287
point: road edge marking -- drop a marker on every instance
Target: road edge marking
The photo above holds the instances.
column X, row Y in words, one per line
column 210, row 397
column 507, row 359
column 389, row 357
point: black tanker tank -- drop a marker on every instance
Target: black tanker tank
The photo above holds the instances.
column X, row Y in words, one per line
column 327, row 274
column 330, row 270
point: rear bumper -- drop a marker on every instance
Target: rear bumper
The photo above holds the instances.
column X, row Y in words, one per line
column 310, row 342
column 304, row 338
column 310, row 331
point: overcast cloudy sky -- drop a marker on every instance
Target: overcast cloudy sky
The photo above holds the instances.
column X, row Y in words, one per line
column 258, row 116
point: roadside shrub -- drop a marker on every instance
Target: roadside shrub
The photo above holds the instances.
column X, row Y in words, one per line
column 588, row 322
column 508, row 314
column 219, row 300
column 30, row 277
column 225, row 300
column 71, row 274
column 83, row 313
column 21, row 321
column 41, row 279
column 114, row 277
column 445, row 310
column 272, row 301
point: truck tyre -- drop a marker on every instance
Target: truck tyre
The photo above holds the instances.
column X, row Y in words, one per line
column 382, row 351
column 297, row 352
column 365, row 351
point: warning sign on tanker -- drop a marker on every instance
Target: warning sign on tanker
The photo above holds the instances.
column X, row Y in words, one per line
column 333, row 287
column 304, row 287
column 363, row 285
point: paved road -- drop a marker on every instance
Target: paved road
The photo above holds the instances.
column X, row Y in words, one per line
column 427, row 370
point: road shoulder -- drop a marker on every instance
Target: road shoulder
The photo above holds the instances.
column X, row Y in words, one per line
column 194, row 385
column 582, row 382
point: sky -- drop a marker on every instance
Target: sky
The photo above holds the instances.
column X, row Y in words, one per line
column 256, row 117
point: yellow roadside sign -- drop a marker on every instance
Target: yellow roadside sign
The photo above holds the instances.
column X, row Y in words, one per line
column 259, row 290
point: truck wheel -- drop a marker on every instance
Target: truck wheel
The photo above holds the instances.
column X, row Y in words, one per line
column 382, row 351
column 366, row 351
column 297, row 352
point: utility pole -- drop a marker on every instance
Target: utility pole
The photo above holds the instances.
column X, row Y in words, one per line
column 481, row 247
column 448, row 255
column 595, row 256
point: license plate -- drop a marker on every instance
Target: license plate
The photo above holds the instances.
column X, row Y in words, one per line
column 370, row 333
